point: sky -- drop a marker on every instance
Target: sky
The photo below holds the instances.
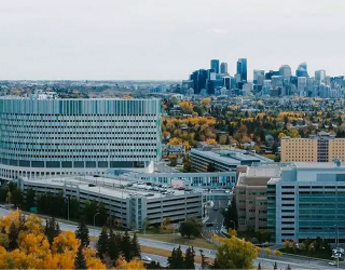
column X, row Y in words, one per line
column 166, row 40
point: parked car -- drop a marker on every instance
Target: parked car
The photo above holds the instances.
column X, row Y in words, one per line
column 333, row 263
column 146, row 259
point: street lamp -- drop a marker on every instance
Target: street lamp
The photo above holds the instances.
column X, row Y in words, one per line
column 94, row 224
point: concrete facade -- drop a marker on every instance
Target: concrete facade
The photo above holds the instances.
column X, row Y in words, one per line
column 321, row 148
column 250, row 194
column 47, row 137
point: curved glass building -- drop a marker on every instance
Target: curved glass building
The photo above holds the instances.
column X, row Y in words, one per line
column 44, row 137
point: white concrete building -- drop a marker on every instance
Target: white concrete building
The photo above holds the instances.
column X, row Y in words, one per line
column 45, row 137
column 127, row 202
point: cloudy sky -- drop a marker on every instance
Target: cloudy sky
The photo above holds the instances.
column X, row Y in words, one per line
column 161, row 39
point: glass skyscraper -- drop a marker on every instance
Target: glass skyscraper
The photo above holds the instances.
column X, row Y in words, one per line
column 242, row 68
column 215, row 65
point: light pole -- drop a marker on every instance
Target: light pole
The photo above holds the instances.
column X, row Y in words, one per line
column 94, row 224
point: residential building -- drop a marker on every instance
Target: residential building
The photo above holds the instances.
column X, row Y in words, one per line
column 124, row 200
column 321, row 148
column 307, row 201
column 250, row 194
column 222, row 160
column 45, row 137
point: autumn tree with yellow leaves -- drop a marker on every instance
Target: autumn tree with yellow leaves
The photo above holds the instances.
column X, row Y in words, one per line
column 234, row 253
column 33, row 250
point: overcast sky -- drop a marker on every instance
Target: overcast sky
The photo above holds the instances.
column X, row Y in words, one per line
column 161, row 39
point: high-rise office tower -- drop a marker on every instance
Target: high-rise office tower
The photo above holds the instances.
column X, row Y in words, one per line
column 302, row 70
column 320, row 75
column 215, row 65
column 285, row 71
column 224, row 68
column 258, row 76
column 242, row 68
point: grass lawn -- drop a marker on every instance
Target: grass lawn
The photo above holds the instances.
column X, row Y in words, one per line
column 195, row 242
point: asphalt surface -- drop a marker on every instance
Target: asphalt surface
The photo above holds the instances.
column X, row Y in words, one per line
column 282, row 261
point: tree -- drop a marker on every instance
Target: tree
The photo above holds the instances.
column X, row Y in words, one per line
column 211, row 167
column 114, row 245
column 102, row 244
column 74, row 208
column 135, row 247
column 90, row 209
column 30, row 198
column 17, row 197
column 126, row 246
column 80, row 262
column 287, row 244
column 175, row 261
column 51, row 230
column 13, row 237
column 82, row 233
column 191, row 227
column 234, row 253
column 134, row 264
column 211, row 141
column 154, row 265
column 231, row 216
column 189, row 258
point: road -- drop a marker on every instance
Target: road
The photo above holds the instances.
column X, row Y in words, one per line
column 161, row 166
column 282, row 261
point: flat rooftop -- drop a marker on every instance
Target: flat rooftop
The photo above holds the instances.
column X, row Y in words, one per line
column 111, row 186
column 233, row 156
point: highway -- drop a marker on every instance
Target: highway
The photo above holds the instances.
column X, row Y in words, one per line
column 282, row 261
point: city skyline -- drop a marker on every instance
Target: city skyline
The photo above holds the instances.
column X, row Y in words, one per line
column 151, row 40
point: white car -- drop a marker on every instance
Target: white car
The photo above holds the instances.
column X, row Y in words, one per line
column 333, row 263
column 146, row 259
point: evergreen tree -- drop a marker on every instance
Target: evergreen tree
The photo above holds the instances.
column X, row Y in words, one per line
column 231, row 216
column 154, row 265
column 51, row 230
column 82, row 233
column 275, row 267
column 13, row 237
column 135, row 247
column 189, row 258
column 126, row 246
column 80, row 262
column 102, row 245
column 114, row 245
column 175, row 261
column 30, row 198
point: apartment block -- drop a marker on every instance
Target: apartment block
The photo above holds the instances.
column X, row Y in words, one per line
column 321, row 148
